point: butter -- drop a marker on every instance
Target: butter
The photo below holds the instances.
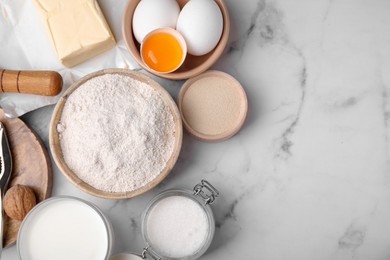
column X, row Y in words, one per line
column 77, row 29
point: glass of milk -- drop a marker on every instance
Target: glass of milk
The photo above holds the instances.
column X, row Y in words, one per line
column 64, row 228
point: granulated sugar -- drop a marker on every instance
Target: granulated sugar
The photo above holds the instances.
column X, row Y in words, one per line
column 177, row 227
column 116, row 133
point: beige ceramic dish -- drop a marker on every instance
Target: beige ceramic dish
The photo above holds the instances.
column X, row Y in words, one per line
column 242, row 105
column 72, row 177
column 193, row 65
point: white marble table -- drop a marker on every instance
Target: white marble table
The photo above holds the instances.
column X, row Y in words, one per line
column 308, row 176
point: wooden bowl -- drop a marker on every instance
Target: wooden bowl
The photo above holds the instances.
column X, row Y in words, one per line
column 193, row 65
column 72, row 177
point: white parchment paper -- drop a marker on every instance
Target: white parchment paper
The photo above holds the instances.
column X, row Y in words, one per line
column 25, row 45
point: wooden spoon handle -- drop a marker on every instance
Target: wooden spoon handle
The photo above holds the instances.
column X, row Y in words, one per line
column 47, row 83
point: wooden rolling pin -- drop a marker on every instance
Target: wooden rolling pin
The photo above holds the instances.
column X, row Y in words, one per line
column 46, row 83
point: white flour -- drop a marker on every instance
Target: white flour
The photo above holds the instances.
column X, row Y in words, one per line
column 116, row 133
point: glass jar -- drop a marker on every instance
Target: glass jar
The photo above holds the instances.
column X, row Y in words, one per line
column 180, row 220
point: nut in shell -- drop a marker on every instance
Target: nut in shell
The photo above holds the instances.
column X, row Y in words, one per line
column 18, row 201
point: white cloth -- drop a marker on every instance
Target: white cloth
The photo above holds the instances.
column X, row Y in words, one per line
column 25, row 45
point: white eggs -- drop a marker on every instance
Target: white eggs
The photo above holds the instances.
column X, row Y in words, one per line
column 152, row 14
column 201, row 23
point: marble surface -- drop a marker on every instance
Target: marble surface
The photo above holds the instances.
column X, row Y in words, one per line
column 308, row 176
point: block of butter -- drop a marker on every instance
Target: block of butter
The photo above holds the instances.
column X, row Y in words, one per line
column 77, row 29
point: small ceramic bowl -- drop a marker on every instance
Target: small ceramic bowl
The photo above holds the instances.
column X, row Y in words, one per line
column 214, row 115
column 193, row 65
column 176, row 35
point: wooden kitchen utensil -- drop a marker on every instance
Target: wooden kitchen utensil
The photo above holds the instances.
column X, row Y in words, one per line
column 46, row 83
column 31, row 167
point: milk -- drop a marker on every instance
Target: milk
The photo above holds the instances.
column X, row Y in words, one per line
column 64, row 229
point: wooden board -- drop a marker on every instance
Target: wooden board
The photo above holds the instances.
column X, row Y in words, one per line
column 31, row 166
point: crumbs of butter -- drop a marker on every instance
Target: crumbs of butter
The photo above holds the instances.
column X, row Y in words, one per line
column 77, row 29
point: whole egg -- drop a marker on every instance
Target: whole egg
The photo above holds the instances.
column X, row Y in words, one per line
column 152, row 14
column 201, row 24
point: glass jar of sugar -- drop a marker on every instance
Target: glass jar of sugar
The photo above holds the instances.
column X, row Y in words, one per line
column 64, row 228
column 177, row 224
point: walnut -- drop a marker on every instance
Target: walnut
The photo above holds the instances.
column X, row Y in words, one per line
column 18, row 201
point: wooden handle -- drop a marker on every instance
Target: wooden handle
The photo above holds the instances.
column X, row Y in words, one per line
column 46, row 83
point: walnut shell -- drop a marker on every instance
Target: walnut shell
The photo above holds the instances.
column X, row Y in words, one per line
column 18, row 201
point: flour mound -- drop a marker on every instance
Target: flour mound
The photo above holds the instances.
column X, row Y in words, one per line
column 116, row 133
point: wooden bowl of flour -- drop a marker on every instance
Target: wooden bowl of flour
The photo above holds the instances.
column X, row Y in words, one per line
column 101, row 183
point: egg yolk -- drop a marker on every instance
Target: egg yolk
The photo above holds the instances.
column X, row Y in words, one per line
column 162, row 52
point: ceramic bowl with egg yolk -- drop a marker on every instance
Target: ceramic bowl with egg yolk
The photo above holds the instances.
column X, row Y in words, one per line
column 193, row 65
column 163, row 50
